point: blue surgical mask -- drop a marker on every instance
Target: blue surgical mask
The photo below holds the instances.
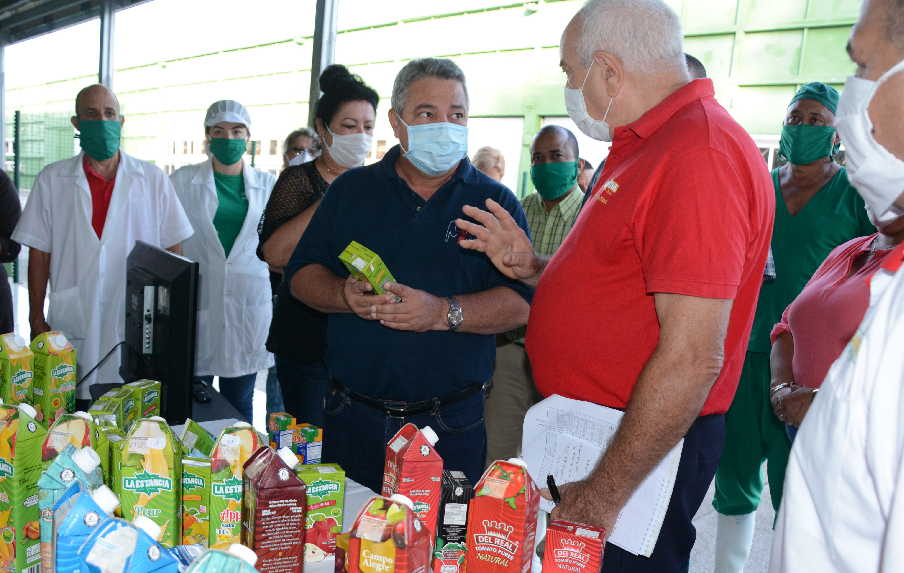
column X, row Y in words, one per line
column 435, row 148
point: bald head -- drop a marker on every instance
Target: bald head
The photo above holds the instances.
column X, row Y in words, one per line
column 96, row 102
column 554, row 143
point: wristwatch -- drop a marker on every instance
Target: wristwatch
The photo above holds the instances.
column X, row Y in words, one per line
column 454, row 317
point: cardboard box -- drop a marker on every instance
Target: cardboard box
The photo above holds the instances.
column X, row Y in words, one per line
column 414, row 469
column 366, row 265
column 55, row 363
column 573, row 548
column 16, row 369
column 326, row 507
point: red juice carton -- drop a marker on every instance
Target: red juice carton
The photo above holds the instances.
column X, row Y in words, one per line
column 387, row 537
column 502, row 523
column 414, row 469
column 573, row 548
column 452, row 529
column 273, row 511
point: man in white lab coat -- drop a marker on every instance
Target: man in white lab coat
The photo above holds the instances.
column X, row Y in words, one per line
column 843, row 507
column 80, row 223
column 224, row 199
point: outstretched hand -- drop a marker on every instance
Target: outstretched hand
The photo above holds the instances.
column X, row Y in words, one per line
column 500, row 238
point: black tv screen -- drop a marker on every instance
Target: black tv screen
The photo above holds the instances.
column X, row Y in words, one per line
column 161, row 323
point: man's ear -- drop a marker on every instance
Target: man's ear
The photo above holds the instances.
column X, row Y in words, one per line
column 74, row 121
column 613, row 70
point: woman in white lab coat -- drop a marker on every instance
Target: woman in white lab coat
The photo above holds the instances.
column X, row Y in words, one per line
column 224, row 199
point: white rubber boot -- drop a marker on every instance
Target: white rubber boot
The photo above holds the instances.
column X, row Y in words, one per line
column 734, row 537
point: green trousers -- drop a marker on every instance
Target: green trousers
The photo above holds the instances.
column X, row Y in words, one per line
column 753, row 435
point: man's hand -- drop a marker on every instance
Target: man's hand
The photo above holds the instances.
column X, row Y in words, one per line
column 360, row 297
column 501, row 239
column 791, row 404
column 416, row 310
column 38, row 326
column 582, row 504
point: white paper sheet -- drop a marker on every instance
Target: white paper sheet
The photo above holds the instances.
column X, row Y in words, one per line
column 565, row 438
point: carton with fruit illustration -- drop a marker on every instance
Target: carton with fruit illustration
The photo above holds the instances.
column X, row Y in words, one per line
column 414, row 469
column 16, row 369
column 197, row 444
column 502, row 520
column 451, row 534
column 326, row 505
column 77, row 429
column 150, row 477
column 273, row 510
column 54, row 382
column 387, row 536
column 125, row 403
column 573, row 548
column 147, row 397
column 21, row 437
column 104, row 413
column 233, row 447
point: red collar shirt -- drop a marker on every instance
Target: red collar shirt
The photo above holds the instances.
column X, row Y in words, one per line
column 684, row 206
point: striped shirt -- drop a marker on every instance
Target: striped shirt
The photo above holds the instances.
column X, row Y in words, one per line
column 548, row 229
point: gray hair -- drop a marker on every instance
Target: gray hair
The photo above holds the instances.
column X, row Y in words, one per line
column 301, row 132
column 645, row 34
column 424, row 68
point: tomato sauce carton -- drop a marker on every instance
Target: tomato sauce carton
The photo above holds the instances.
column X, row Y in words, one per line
column 326, row 503
column 451, row 533
column 16, row 369
column 414, row 469
column 54, row 381
column 273, row 511
column 387, row 537
column 233, row 447
column 502, row 523
column 573, row 548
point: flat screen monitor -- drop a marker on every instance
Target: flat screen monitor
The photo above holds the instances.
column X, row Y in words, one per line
column 161, row 325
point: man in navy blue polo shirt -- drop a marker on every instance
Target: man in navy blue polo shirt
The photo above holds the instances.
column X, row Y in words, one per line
column 423, row 352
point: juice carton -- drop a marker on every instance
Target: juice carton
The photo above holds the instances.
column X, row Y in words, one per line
column 388, row 536
column 104, row 413
column 277, row 421
column 233, row 447
column 451, row 534
column 109, row 448
column 366, row 265
column 77, row 429
column 341, row 565
column 503, row 519
column 326, row 506
column 308, row 443
column 237, row 559
column 82, row 465
column 126, row 404
column 414, row 469
column 76, row 516
column 120, row 546
column 197, row 444
column 21, row 436
column 147, row 397
column 54, row 382
column 150, row 477
column 573, row 548
column 273, row 511
column 16, row 369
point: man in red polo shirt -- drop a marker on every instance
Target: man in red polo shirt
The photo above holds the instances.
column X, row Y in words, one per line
column 662, row 268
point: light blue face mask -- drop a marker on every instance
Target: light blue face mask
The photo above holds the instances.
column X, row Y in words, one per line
column 435, row 148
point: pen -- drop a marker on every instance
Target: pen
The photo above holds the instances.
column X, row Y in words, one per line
column 553, row 489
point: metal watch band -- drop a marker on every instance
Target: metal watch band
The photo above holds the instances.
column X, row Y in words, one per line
column 455, row 316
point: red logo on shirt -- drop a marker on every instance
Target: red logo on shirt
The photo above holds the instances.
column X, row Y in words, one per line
column 608, row 190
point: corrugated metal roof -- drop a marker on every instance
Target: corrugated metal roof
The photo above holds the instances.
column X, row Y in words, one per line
column 24, row 19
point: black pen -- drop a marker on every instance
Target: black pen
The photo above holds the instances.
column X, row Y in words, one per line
column 553, row 489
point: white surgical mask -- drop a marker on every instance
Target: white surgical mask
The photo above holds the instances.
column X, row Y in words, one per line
column 873, row 170
column 301, row 158
column 349, row 150
column 577, row 110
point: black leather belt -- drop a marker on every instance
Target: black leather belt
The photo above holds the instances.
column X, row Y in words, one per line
column 401, row 409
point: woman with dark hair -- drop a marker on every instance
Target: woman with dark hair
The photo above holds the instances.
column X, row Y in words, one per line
column 344, row 121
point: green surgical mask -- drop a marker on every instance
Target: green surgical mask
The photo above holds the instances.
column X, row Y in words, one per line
column 99, row 138
column 553, row 180
column 803, row 144
column 228, row 151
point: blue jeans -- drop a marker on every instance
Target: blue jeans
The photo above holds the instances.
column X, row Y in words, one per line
column 355, row 436
column 304, row 387
column 239, row 391
column 274, row 393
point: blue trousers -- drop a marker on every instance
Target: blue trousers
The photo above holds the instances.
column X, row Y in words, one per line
column 304, row 387
column 239, row 391
column 355, row 437
column 274, row 393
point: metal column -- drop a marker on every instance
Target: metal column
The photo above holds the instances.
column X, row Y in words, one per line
column 324, row 48
column 105, row 72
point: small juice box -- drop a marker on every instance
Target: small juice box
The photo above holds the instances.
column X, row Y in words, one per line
column 233, row 447
column 147, row 396
column 279, row 421
column 151, row 477
column 414, row 469
column 366, row 265
column 197, row 444
column 54, row 382
column 502, row 520
column 388, row 536
column 573, row 548
column 16, row 369
column 326, row 508
column 308, row 443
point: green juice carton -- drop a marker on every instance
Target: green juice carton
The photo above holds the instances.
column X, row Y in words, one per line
column 16, row 369
column 150, row 478
column 147, row 396
column 197, row 444
column 104, row 413
column 109, row 448
column 233, row 447
column 126, row 404
column 366, row 265
column 54, row 382
column 21, row 437
column 326, row 508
